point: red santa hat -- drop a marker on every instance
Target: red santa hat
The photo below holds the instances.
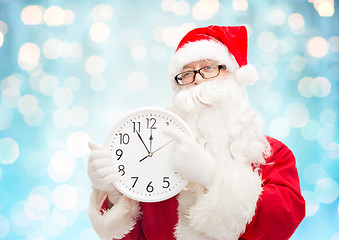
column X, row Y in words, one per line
column 226, row 45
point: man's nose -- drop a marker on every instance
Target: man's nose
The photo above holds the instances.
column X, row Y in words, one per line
column 198, row 79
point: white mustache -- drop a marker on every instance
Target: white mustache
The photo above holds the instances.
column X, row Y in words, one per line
column 206, row 94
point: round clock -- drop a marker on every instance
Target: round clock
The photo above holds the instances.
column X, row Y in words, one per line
column 141, row 151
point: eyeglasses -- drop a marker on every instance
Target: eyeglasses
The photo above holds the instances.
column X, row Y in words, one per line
column 206, row 72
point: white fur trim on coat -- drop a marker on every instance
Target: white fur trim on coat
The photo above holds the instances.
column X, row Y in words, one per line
column 115, row 222
column 223, row 211
column 200, row 50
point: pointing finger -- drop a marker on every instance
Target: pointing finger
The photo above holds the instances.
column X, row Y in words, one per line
column 94, row 146
column 173, row 133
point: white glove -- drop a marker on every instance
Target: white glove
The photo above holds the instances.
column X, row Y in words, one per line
column 102, row 171
column 191, row 160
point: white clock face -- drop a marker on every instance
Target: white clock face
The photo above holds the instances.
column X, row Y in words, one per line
column 142, row 154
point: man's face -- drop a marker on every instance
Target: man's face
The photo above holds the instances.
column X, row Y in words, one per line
column 208, row 71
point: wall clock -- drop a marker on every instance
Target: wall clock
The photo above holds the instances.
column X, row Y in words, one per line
column 141, row 151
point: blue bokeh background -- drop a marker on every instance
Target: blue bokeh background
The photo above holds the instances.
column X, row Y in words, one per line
column 69, row 69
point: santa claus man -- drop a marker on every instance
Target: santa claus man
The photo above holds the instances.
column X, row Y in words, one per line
column 242, row 184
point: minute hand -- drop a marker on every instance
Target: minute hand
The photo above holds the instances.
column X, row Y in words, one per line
column 163, row 146
column 142, row 142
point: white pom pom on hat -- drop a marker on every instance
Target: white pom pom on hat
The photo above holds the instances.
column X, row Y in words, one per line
column 224, row 44
column 247, row 74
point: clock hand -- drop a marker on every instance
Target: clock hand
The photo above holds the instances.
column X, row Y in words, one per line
column 143, row 158
column 150, row 141
column 151, row 154
column 163, row 146
column 142, row 141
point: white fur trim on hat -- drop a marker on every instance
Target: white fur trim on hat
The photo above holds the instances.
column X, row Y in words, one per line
column 200, row 50
column 247, row 75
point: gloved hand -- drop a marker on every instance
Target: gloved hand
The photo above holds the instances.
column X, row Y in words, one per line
column 102, row 171
column 190, row 159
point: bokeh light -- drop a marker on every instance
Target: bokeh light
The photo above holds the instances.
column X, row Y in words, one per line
column 296, row 23
column 327, row 190
column 3, row 27
column 312, row 203
column 325, row 8
column 73, row 83
column 54, row 16
column 137, row 81
column 65, row 196
column 317, row 47
column 297, row 114
column 328, row 117
column 77, row 144
column 334, row 43
column 97, row 83
column 68, row 70
column 9, row 150
column 102, row 13
column 27, row 104
column 35, row 117
column 320, row 87
column 313, row 173
column 205, row 9
column 5, row 227
column 311, row 130
column 53, row 48
column 63, row 97
column 29, row 55
column 6, row 117
column 95, row 65
column 79, row 116
column 48, row 84
column 267, row 41
column 1, row 39
column 10, row 97
column 277, row 17
column 335, row 236
column 138, row 52
column 240, row 5
column 99, row 32
column 61, row 166
column 279, row 128
column 181, row 8
column 32, row 15
column 36, row 207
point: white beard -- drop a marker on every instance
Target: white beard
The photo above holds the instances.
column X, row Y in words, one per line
column 222, row 120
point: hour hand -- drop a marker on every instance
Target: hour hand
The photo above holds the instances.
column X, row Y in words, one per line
column 143, row 158
column 142, row 141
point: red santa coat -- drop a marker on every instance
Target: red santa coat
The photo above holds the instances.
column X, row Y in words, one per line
column 265, row 204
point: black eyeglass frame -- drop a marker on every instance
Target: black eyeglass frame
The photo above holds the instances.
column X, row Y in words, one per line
column 220, row 66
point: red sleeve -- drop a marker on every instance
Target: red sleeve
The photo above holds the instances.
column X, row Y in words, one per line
column 281, row 207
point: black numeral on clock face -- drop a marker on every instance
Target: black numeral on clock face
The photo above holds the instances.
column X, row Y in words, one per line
column 149, row 187
column 136, row 126
column 124, row 138
column 151, row 122
column 135, row 181
column 122, row 169
column 166, row 183
column 119, row 153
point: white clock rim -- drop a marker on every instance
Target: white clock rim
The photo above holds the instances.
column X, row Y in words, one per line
column 125, row 117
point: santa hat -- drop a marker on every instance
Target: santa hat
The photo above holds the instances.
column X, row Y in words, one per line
column 226, row 45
